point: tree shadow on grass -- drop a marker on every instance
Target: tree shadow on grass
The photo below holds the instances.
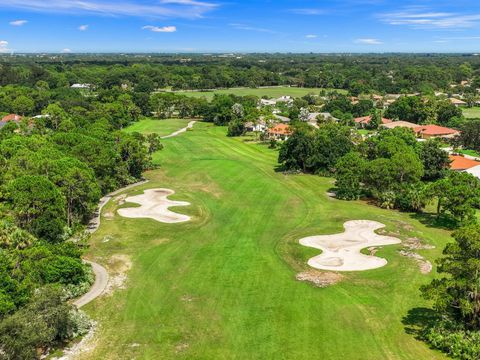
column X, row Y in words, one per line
column 435, row 221
column 417, row 319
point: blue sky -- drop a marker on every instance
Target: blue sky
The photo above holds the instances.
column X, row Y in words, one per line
column 239, row 26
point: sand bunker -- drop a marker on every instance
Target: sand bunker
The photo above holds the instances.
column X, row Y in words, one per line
column 154, row 205
column 341, row 252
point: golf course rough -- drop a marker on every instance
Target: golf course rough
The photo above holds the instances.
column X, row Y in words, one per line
column 154, row 205
column 341, row 252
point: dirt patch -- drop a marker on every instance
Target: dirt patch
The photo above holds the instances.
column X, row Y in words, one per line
column 424, row 265
column 414, row 243
column 109, row 215
column 119, row 265
column 181, row 347
column 120, row 199
column 155, row 205
column 319, row 278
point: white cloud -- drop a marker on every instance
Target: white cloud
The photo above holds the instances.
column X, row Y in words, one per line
column 308, row 11
column 83, row 27
column 419, row 17
column 18, row 22
column 368, row 41
column 311, row 36
column 251, row 28
column 4, row 47
column 164, row 29
column 66, row 51
column 150, row 8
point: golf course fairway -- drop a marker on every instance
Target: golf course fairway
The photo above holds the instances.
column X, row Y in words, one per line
column 223, row 285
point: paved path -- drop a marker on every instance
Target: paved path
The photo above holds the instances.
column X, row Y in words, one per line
column 101, row 280
column 101, row 274
column 178, row 132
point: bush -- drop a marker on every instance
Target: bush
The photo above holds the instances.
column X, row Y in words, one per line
column 453, row 340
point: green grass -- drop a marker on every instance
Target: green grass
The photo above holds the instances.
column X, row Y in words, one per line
column 161, row 126
column 272, row 92
column 469, row 152
column 223, row 286
column 471, row 113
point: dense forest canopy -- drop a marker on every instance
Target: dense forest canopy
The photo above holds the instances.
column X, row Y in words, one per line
column 390, row 73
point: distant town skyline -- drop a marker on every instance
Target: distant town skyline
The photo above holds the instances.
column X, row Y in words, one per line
column 71, row 26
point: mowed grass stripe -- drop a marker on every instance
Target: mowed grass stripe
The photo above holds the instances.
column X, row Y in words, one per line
column 223, row 286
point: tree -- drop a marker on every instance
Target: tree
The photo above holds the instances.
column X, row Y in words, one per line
column 375, row 120
column 46, row 320
column 304, row 114
column 154, row 143
column 349, row 173
column 435, row 160
column 458, row 194
column 236, row 128
column 296, row 151
column 23, row 105
column 457, row 295
column 470, row 135
column 37, row 206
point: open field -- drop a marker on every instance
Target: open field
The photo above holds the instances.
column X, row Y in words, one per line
column 223, row 286
column 471, row 113
column 160, row 126
column 272, row 92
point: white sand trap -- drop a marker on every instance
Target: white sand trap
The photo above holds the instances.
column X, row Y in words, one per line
column 341, row 252
column 154, row 205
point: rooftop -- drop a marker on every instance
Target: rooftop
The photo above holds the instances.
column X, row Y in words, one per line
column 462, row 163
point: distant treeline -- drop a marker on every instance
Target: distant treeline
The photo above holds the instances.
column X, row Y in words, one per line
column 356, row 73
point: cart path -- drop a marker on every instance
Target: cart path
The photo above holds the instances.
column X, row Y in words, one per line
column 178, row 132
column 101, row 274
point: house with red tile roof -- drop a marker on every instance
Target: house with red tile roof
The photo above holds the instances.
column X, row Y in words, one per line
column 365, row 120
column 279, row 132
column 11, row 117
column 432, row 131
column 460, row 163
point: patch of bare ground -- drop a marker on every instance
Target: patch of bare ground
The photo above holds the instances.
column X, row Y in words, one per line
column 118, row 267
column 424, row 265
column 181, row 347
column 320, row 278
column 109, row 215
column 120, row 199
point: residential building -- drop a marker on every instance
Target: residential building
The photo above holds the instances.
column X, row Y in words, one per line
column 365, row 120
column 435, row 131
column 279, row 132
column 460, row 163
column 404, row 124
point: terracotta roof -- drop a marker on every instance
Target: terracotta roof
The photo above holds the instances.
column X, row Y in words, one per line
column 404, row 124
column 434, row 130
column 12, row 117
column 366, row 120
column 462, row 163
column 280, row 129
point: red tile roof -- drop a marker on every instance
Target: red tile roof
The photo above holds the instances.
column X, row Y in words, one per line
column 462, row 163
column 280, row 129
column 434, row 130
column 366, row 120
column 12, row 117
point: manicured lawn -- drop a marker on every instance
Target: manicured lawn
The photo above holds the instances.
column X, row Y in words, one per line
column 471, row 113
column 273, row 92
column 161, row 126
column 223, row 286
column 470, row 152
